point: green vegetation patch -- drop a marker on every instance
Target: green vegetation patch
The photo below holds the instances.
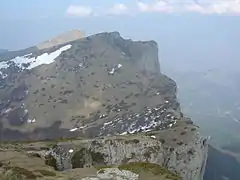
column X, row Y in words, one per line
column 9, row 176
column 45, row 172
column 138, row 167
column 19, row 172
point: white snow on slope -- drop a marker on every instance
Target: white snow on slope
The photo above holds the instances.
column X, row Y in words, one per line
column 34, row 62
column 3, row 65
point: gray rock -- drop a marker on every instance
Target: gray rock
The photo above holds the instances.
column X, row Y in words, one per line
column 187, row 159
column 116, row 174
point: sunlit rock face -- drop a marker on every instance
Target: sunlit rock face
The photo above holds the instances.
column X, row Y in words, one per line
column 99, row 85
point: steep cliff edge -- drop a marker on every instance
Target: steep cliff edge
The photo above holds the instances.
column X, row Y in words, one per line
column 105, row 89
column 185, row 156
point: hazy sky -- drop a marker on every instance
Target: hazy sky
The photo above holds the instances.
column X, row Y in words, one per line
column 192, row 29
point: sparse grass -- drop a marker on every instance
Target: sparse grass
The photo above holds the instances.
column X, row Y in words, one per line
column 45, row 172
column 132, row 141
column 139, row 167
column 20, row 173
column 10, row 176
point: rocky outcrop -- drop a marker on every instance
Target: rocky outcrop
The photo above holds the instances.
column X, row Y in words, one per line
column 61, row 39
column 115, row 173
column 186, row 158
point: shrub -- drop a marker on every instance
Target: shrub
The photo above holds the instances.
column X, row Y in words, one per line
column 180, row 143
column 135, row 141
column 182, row 133
column 35, row 155
column 162, row 141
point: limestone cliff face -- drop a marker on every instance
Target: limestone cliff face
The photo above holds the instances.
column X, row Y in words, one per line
column 143, row 54
column 186, row 156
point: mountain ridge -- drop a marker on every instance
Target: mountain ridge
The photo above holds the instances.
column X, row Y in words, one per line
column 99, row 86
column 63, row 38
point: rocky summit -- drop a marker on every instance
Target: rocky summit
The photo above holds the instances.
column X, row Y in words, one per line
column 97, row 101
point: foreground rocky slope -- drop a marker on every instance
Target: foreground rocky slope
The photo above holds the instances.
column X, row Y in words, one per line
column 98, row 86
column 184, row 157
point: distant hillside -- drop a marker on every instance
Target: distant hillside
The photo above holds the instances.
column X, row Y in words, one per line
column 61, row 39
column 221, row 166
column 3, row 50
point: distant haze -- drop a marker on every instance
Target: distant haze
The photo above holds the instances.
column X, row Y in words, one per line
column 203, row 48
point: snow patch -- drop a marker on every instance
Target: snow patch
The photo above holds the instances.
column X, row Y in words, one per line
column 107, row 123
column 27, row 55
column 73, row 129
column 29, row 121
column 153, row 137
column 33, row 62
column 70, row 151
column 3, row 65
column 124, row 133
column 119, row 66
column 40, row 60
column 112, row 71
